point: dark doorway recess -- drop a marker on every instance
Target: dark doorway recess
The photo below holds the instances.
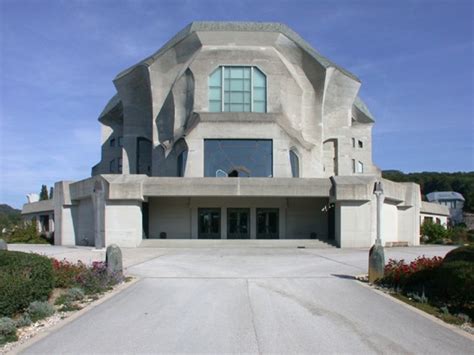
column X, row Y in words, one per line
column 267, row 223
column 238, row 223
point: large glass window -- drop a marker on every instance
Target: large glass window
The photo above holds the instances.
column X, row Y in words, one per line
column 238, row 158
column 237, row 89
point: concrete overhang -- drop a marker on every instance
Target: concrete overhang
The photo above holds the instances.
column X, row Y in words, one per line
column 434, row 208
column 257, row 187
column 138, row 187
column 45, row 206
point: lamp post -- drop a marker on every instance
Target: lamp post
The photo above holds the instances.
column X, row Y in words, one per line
column 376, row 253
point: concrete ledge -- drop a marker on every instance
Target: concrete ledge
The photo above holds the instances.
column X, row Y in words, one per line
column 38, row 207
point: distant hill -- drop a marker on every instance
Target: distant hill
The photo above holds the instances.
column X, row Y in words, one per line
column 462, row 182
column 8, row 210
column 9, row 216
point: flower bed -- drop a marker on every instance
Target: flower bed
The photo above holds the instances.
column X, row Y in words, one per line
column 446, row 285
column 70, row 287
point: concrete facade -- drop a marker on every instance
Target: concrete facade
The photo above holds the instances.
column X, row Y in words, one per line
column 152, row 180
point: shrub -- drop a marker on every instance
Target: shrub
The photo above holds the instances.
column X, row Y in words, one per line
column 465, row 253
column 23, row 321
column 66, row 273
column 71, row 295
column 25, row 233
column 75, row 294
column 7, row 330
column 38, row 310
column 454, row 283
column 24, row 278
column 95, row 279
column 397, row 273
column 434, row 232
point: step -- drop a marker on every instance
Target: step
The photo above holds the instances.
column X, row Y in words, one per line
column 233, row 243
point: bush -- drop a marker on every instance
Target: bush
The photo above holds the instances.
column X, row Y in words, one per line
column 434, row 232
column 96, row 279
column 23, row 321
column 453, row 282
column 66, row 273
column 39, row 310
column 7, row 330
column 24, row 278
column 465, row 253
column 71, row 295
column 397, row 273
column 26, row 233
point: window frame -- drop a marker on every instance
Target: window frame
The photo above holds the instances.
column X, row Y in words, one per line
column 222, row 86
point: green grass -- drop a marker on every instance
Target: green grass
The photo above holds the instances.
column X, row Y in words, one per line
column 430, row 309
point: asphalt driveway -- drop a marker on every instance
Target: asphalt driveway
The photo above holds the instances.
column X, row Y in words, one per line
column 253, row 300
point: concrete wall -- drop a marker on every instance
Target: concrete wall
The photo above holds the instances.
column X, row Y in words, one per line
column 389, row 223
column 84, row 222
column 305, row 216
column 178, row 217
column 123, row 223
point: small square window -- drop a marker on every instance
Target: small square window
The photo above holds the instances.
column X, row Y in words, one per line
column 361, row 144
column 112, row 142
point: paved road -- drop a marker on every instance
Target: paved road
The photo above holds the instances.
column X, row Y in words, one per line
column 254, row 301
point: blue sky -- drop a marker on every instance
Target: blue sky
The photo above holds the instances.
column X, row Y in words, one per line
column 58, row 58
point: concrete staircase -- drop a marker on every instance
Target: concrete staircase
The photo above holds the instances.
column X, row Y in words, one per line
column 237, row 243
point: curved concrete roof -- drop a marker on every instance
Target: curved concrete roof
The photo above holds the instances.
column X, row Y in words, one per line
column 209, row 26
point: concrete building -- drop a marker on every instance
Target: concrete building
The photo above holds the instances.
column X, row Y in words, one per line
column 235, row 131
column 452, row 200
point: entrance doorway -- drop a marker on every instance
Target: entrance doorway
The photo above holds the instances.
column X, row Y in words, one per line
column 238, row 223
column 267, row 223
column 209, row 223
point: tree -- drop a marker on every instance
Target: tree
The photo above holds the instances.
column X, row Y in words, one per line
column 51, row 191
column 44, row 193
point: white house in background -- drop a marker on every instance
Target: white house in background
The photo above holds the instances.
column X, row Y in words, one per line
column 451, row 199
column 235, row 131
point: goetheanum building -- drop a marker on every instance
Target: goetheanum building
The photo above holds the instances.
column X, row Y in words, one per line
column 234, row 131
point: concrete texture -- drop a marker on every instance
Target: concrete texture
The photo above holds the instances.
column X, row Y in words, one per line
column 253, row 300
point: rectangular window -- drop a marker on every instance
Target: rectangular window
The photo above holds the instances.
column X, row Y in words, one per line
column 120, row 141
column 112, row 142
column 353, row 142
column 353, row 166
column 237, row 89
column 361, row 144
column 112, row 166
column 360, row 167
column 238, row 158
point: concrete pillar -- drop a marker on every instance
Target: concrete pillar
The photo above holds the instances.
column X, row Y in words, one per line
column 194, row 223
column 224, row 223
column 253, row 223
column 98, row 201
column 64, row 233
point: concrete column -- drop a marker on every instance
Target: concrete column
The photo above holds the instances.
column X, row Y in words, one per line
column 98, row 201
column 64, row 233
column 253, row 223
column 194, row 223
column 224, row 223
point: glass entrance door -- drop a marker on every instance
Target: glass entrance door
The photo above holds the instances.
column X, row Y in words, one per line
column 238, row 223
column 209, row 223
column 267, row 223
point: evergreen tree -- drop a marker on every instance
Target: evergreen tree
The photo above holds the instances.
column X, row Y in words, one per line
column 51, row 191
column 43, row 193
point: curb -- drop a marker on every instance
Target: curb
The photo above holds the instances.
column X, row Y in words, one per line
column 47, row 331
column 420, row 312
